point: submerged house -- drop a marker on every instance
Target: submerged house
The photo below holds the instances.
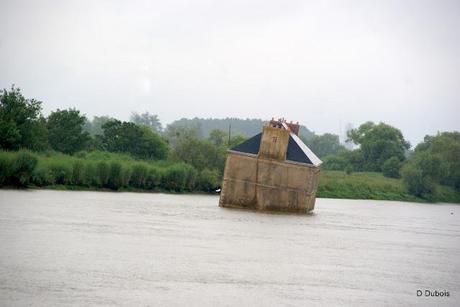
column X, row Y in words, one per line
column 274, row 170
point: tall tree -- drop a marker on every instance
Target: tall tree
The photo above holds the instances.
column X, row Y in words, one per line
column 220, row 138
column 139, row 141
column 217, row 137
column 200, row 153
column 147, row 119
column 438, row 159
column 324, row 145
column 21, row 122
column 378, row 143
column 245, row 127
column 94, row 127
column 176, row 133
column 65, row 131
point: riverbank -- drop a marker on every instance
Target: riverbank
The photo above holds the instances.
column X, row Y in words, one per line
column 368, row 185
column 103, row 171
column 98, row 170
column 333, row 184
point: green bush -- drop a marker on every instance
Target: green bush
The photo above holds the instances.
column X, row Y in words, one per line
column 125, row 175
column 441, row 155
column 335, row 162
column 422, row 173
column 61, row 171
column 81, row 154
column 175, row 177
column 154, row 178
column 353, row 159
column 43, row 176
column 91, row 175
column 348, row 169
column 139, row 175
column 103, row 173
column 78, row 172
column 391, row 167
column 98, row 155
column 417, row 183
column 119, row 175
column 139, row 141
column 6, row 170
column 115, row 180
column 23, row 165
column 209, row 180
column 191, row 178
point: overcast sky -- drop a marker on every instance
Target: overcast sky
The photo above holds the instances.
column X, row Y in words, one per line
column 322, row 63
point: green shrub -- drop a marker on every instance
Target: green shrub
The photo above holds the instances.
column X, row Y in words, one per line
column 348, row 169
column 209, row 180
column 81, row 154
column 118, row 175
column 422, row 173
column 334, row 162
column 390, row 167
column 78, row 172
column 43, row 176
column 125, row 174
column 444, row 150
column 139, row 174
column 175, row 177
column 61, row 171
column 154, row 178
column 417, row 183
column 91, row 175
column 98, row 155
column 103, row 173
column 340, row 161
column 23, row 165
column 6, row 170
column 191, row 178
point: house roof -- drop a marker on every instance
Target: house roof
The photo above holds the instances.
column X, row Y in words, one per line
column 249, row 146
column 297, row 151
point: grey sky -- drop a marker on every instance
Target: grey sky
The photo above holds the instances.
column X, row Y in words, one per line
column 323, row 63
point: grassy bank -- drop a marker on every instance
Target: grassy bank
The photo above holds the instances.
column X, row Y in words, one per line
column 101, row 170
column 366, row 185
column 109, row 171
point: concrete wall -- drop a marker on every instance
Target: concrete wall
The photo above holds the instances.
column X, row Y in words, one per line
column 239, row 184
column 274, row 143
column 265, row 184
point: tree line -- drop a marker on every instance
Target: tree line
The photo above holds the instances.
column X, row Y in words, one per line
column 176, row 159
column 194, row 151
column 382, row 148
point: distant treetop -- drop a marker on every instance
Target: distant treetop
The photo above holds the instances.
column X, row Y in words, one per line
column 246, row 127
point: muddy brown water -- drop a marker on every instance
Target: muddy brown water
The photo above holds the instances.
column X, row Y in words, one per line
column 133, row 249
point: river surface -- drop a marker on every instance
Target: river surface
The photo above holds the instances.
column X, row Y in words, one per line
column 133, row 249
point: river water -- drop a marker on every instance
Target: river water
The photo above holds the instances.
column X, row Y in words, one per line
column 135, row 249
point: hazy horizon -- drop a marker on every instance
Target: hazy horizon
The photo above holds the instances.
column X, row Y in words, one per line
column 322, row 64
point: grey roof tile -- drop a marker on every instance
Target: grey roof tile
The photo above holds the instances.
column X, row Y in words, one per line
column 297, row 151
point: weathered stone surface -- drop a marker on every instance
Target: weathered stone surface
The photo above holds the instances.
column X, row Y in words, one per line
column 274, row 143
